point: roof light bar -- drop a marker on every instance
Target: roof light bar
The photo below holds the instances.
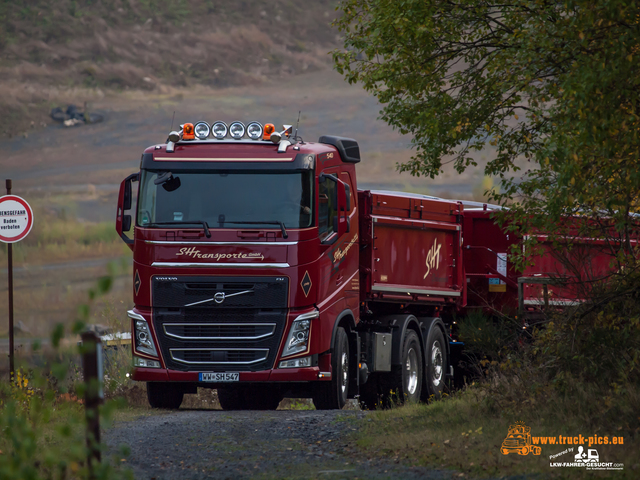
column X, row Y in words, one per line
column 236, row 130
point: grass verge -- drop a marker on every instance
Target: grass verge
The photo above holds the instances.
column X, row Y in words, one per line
column 465, row 432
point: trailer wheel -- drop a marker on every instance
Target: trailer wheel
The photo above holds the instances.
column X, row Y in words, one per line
column 332, row 395
column 436, row 360
column 164, row 395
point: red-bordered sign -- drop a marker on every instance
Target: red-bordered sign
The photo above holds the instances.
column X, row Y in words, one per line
column 16, row 219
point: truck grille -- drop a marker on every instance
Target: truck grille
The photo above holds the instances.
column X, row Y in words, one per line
column 219, row 356
column 218, row 324
column 222, row 331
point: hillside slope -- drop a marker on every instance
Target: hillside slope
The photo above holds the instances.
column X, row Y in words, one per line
column 66, row 50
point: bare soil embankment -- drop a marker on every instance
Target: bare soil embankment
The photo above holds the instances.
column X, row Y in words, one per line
column 68, row 51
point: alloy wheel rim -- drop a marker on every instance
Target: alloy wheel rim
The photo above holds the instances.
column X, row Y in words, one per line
column 411, row 367
column 436, row 364
column 345, row 371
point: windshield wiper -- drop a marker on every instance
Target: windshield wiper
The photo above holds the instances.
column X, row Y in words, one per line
column 268, row 222
column 185, row 222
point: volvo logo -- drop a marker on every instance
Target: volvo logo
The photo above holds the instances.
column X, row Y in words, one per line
column 219, row 297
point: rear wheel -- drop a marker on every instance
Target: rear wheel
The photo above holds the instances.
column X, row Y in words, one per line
column 164, row 395
column 332, row 395
column 436, row 359
column 405, row 382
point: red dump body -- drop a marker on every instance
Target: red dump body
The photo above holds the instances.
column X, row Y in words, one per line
column 555, row 276
column 410, row 249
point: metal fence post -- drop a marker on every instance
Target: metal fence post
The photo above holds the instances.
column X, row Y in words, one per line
column 93, row 396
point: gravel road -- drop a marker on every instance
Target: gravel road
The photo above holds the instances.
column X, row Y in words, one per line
column 198, row 444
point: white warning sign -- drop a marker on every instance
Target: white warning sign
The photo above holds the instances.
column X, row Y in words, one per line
column 16, row 219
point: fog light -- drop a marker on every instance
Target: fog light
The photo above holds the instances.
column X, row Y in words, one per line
column 296, row 363
column 202, row 130
column 219, row 130
column 143, row 362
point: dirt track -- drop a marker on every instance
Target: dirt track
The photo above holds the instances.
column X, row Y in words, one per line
column 199, row 444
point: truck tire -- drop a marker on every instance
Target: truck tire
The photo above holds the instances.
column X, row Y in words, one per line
column 404, row 383
column 332, row 395
column 164, row 395
column 436, row 362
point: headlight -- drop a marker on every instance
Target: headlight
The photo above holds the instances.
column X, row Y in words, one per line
column 142, row 335
column 236, row 130
column 219, row 130
column 202, row 130
column 298, row 339
column 254, row 131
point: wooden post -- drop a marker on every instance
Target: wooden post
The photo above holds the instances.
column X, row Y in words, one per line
column 10, row 271
column 93, row 396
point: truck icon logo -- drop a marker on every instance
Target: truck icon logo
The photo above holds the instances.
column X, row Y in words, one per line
column 519, row 441
column 219, row 297
column 592, row 457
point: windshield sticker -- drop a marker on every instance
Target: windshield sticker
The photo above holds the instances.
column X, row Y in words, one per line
column 193, row 252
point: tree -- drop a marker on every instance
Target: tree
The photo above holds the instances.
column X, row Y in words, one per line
column 554, row 87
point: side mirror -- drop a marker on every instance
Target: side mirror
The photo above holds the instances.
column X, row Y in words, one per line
column 125, row 197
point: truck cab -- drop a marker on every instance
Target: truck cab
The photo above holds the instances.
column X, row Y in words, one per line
column 245, row 265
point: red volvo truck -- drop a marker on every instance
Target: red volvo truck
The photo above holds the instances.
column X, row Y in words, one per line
column 260, row 270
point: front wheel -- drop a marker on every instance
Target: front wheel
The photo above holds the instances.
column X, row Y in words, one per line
column 164, row 395
column 332, row 395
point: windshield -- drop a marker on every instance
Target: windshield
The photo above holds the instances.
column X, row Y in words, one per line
column 226, row 200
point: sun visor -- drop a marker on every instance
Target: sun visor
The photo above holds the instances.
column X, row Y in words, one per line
column 347, row 147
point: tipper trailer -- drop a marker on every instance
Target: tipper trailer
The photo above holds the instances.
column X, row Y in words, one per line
column 260, row 270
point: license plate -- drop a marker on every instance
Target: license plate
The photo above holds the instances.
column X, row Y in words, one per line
column 219, row 377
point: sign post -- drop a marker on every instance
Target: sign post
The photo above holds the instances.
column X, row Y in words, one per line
column 16, row 220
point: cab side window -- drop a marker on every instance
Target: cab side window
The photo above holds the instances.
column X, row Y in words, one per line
column 326, row 208
column 346, row 179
